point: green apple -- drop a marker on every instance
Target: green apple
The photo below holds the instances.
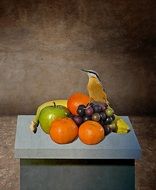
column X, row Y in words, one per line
column 49, row 114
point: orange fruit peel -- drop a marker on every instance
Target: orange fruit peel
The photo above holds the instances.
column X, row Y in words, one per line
column 63, row 131
column 75, row 100
column 91, row 132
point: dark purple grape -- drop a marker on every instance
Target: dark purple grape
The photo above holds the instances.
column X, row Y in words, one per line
column 103, row 107
column 92, row 104
column 89, row 111
column 108, row 120
column 102, row 122
column 103, row 116
column 96, row 117
column 97, row 108
column 81, row 110
column 78, row 120
column 112, row 117
column 86, row 118
column 107, row 129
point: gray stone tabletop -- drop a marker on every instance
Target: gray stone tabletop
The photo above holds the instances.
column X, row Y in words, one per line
column 40, row 145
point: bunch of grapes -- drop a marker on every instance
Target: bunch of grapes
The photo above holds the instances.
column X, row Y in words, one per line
column 95, row 111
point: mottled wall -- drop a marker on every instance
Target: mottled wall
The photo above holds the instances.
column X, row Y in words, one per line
column 43, row 43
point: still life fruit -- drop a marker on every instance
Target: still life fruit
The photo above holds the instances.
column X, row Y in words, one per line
column 64, row 130
column 87, row 117
column 51, row 113
column 91, row 132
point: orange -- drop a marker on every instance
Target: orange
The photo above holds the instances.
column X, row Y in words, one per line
column 63, row 130
column 75, row 100
column 91, row 132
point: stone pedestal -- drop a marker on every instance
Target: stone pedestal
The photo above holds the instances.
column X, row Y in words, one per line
column 46, row 165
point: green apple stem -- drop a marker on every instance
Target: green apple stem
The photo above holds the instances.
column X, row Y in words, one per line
column 35, row 122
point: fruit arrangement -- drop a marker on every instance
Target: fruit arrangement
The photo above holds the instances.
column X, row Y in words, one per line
column 89, row 117
column 77, row 117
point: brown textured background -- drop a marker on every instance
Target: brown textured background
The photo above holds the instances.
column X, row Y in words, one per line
column 43, row 43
